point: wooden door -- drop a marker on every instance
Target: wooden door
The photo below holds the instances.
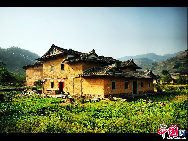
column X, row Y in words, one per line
column 61, row 86
column 134, row 87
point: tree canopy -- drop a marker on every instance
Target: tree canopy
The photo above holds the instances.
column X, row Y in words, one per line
column 9, row 78
column 166, row 77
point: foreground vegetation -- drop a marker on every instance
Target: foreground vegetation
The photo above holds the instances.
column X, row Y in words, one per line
column 34, row 114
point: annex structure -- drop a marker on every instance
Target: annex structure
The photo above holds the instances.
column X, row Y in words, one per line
column 65, row 70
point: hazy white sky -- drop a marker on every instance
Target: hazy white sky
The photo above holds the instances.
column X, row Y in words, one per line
column 111, row 31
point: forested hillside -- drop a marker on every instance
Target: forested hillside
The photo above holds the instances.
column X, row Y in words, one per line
column 15, row 58
column 173, row 65
column 150, row 56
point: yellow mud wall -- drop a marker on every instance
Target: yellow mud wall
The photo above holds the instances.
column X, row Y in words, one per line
column 33, row 74
column 57, row 73
column 47, row 86
column 94, row 86
column 145, row 85
column 120, row 85
column 70, row 70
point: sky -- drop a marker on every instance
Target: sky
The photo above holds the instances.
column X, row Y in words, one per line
column 111, row 31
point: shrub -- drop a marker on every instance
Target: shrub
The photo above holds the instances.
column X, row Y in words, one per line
column 48, row 115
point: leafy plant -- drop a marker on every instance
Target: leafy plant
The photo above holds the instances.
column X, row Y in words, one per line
column 49, row 115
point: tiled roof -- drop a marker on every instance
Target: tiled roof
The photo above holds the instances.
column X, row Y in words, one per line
column 86, row 57
column 38, row 63
column 56, row 51
column 109, row 65
column 105, row 70
column 114, row 70
column 129, row 63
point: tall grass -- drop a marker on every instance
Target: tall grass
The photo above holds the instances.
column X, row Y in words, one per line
column 48, row 115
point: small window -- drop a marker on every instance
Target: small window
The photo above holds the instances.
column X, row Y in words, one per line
column 52, row 84
column 126, row 85
column 149, row 84
column 142, row 84
column 113, row 85
column 52, row 68
column 62, row 66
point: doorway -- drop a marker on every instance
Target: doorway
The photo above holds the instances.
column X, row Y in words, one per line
column 61, row 86
column 134, row 87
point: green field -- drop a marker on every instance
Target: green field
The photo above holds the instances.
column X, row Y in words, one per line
column 33, row 114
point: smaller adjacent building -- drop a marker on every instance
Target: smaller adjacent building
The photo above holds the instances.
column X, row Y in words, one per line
column 66, row 70
column 176, row 76
column 34, row 73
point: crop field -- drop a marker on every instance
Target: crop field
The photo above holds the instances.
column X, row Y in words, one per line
column 33, row 114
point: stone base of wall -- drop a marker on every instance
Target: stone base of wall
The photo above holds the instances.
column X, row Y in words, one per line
column 130, row 95
column 120, row 95
column 92, row 96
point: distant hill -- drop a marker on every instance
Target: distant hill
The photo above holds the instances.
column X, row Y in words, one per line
column 173, row 64
column 143, row 61
column 15, row 58
column 149, row 58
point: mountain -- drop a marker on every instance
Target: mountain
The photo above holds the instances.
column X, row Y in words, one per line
column 152, row 56
column 15, row 58
column 173, row 64
column 149, row 58
column 143, row 61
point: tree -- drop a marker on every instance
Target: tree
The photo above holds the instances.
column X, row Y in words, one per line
column 10, row 78
column 2, row 64
column 182, row 80
column 165, row 72
column 6, row 78
column 166, row 77
column 38, row 83
column 20, row 79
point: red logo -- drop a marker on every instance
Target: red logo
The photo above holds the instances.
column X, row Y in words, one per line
column 162, row 131
column 173, row 131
